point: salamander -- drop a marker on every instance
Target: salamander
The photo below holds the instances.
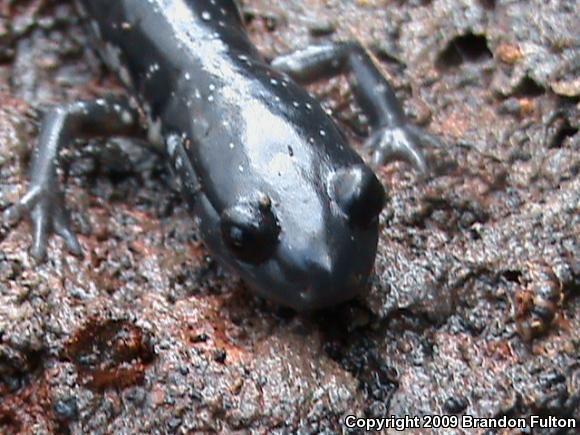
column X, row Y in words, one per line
column 278, row 194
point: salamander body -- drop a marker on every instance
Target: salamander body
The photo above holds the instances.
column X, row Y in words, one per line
column 280, row 196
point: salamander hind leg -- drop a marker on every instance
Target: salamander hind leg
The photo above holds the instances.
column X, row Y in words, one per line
column 44, row 201
column 392, row 136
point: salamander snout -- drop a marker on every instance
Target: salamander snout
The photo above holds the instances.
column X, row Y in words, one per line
column 332, row 280
column 326, row 270
column 328, row 261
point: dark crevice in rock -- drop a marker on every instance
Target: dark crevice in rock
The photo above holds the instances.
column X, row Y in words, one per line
column 468, row 48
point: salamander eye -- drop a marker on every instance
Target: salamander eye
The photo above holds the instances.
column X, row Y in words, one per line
column 359, row 194
column 250, row 231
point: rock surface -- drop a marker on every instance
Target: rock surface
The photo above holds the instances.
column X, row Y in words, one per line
column 474, row 309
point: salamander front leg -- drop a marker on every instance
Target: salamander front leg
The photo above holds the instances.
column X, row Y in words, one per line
column 44, row 200
column 392, row 137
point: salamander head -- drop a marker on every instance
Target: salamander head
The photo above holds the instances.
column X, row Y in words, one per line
column 303, row 251
column 289, row 205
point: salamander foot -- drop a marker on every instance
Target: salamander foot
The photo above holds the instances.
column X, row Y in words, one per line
column 47, row 210
column 400, row 143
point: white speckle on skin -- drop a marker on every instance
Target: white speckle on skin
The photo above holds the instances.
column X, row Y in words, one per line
column 232, row 146
column 241, row 168
column 124, row 76
column 206, row 16
column 210, row 98
column 126, row 117
column 322, row 133
column 171, row 145
column 187, row 76
column 211, row 87
column 154, row 132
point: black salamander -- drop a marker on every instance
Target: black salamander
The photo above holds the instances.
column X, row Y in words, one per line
column 279, row 195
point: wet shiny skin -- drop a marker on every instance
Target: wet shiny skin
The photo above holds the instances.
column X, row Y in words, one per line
column 247, row 143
